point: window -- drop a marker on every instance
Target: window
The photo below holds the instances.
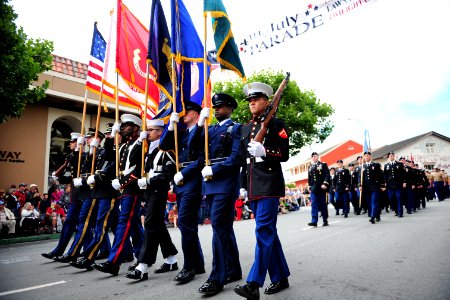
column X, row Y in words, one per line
column 430, row 147
column 428, row 167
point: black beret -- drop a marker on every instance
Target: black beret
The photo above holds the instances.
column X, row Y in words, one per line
column 332, row 168
column 367, row 152
column 390, row 152
column 223, row 99
column 351, row 165
column 340, row 161
column 314, row 153
column 189, row 105
column 359, row 156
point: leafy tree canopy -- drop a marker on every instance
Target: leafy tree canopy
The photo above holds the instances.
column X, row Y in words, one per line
column 307, row 119
column 21, row 61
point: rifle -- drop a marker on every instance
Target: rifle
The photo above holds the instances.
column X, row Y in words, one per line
column 271, row 110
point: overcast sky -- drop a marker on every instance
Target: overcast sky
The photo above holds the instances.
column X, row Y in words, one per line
column 386, row 64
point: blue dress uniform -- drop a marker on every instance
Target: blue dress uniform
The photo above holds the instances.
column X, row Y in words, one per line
column 342, row 186
column 188, row 194
column 373, row 181
column 394, row 174
column 318, row 175
column 263, row 179
column 107, row 210
column 353, row 192
column 222, row 191
column 69, row 226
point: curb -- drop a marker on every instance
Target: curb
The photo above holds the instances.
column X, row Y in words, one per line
column 25, row 239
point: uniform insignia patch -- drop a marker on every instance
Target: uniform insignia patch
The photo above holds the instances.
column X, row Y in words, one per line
column 283, row 134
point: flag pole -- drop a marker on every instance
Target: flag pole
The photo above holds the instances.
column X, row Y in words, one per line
column 174, row 109
column 116, row 90
column 144, row 120
column 81, row 147
column 97, row 124
column 205, row 94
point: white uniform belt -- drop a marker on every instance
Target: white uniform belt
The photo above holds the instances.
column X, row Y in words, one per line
column 256, row 159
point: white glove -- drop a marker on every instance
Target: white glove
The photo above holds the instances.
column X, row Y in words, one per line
column 174, row 118
column 142, row 136
column 80, row 140
column 178, row 177
column 116, row 184
column 142, row 183
column 90, row 180
column 94, row 143
column 115, row 129
column 54, row 176
column 207, row 171
column 204, row 114
column 256, row 149
column 77, row 182
column 243, row 193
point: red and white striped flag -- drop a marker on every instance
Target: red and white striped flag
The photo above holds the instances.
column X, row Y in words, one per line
column 96, row 62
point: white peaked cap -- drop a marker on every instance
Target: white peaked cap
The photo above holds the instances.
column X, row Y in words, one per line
column 258, row 89
column 155, row 122
column 129, row 118
column 74, row 136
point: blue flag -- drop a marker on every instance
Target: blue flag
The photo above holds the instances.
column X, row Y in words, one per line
column 188, row 50
column 366, row 141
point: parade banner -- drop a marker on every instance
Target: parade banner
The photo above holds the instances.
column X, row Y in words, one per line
column 297, row 24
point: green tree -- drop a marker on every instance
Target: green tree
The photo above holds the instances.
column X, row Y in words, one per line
column 21, row 62
column 307, row 119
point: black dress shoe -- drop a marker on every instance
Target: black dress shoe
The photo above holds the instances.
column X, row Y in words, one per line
column 199, row 271
column 108, row 267
column 136, row 275
column 372, row 221
column 276, row 287
column 133, row 266
column 378, row 219
column 325, row 223
column 65, row 258
column 48, row 255
column 83, row 263
column 312, row 224
column 167, row 268
column 232, row 278
column 346, row 216
column 185, row 276
column 401, row 216
column 249, row 291
column 210, row 287
column 129, row 259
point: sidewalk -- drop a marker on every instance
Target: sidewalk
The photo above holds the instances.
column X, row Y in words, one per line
column 31, row 238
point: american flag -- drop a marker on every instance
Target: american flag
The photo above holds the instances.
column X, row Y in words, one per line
column 97, row 61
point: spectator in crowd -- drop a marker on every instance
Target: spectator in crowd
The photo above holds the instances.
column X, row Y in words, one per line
column 238, row 205
column 7, row 219
column 2, row 194
column 30, row 218
column 171, row 198
column 33, row 195
column 173, row 216
column 56, row 216
column 65, row 197
column 20, row 194
column 11, row 202
column 43, row 205
column 55, row 192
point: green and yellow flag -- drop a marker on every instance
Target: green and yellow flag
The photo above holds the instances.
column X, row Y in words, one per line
column 227, row 51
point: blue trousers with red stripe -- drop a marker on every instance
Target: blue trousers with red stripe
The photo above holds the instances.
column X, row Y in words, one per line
column 129, row 224
column 269, row 256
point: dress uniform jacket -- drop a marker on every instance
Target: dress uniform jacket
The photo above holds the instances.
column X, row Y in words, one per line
column 373, row 178
column 130, row 162
column 353, row 179
column 319, row 174
column 341, row 180
column 70, row 172
column 224, row 143
column 394, row 174
column 105, row 170
column 263, row 176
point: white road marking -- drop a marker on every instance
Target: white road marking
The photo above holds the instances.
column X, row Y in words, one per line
column 14, row 260
column 31, row 288
column 310, row 227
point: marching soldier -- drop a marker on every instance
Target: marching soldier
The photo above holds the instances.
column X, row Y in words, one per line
column 394, row 175
column 130, row 195
column 65, row 174
column 319, row 182
column 341, row 187
column 438, row 183
column 262, row 178
column 105, row 196
column 372, row 185
column 361, row 199
column 188, row 187
column 331, row 191
column 422, row 187
column 353, row 195
column 160, row 168
column 221, row 188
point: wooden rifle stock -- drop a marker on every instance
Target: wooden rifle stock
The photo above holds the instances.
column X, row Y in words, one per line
column 271, row 110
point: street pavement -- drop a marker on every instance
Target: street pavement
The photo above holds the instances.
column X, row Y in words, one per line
column 406, row 258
